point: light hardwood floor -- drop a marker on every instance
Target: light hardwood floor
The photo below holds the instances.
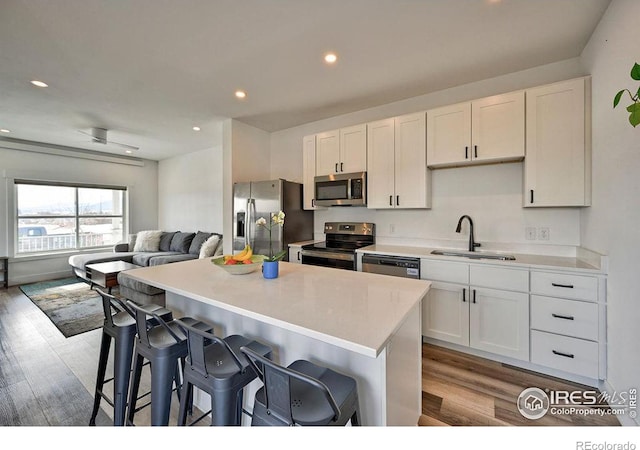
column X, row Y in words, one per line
column 461, row 389
column 46, row 379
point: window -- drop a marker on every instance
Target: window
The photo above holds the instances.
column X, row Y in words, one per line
column 57, row 216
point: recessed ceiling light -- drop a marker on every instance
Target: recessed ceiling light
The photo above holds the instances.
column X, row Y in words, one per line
column 241, row 94
column 4, row 130
column 330, row 58
column 196, row 128
column 128, row 151
column 39, row 83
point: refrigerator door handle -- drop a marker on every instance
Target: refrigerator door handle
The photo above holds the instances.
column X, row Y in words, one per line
column 247, row 222
column 251, row 211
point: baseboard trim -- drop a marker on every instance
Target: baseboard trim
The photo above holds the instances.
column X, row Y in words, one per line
column 17, row 281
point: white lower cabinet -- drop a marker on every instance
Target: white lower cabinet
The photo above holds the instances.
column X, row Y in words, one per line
column 295, row 253
column 553, row 319
column 499, row 322
column 568, row 323
column 446, row 313
column 484, row 318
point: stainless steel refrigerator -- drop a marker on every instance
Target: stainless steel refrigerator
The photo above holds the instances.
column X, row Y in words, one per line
column 253, row 200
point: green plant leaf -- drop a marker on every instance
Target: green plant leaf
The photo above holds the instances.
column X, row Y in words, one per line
column 617, row 98
column 278, row 256
column 635, row 72
column 634, row 117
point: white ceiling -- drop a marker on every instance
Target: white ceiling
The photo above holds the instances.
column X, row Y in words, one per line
column 149, row 70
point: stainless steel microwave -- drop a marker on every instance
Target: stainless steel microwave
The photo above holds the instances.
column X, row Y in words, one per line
column 341, row 189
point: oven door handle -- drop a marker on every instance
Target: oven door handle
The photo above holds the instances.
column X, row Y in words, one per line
column 341, row 256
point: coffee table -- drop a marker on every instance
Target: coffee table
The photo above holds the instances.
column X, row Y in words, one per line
column 106, row 274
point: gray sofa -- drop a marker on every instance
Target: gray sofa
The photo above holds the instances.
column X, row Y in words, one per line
column 171, row 247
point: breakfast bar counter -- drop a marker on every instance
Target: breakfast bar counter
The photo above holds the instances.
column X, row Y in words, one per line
column 365, row 325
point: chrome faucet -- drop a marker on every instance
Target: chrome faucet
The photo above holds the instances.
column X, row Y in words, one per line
column 472, row 243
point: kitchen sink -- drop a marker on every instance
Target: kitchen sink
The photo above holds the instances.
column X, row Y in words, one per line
column 474, row 255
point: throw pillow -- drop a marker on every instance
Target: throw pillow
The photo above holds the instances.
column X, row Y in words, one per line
column 165, row 241
column 148, row 241
column 197, row 242
column 181, row 242
column 209, row 247
column 132, row 241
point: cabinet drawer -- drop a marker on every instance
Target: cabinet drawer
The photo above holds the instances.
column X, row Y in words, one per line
column 565, row 353
column 565, row 285
column 499, row 278
column 450, row 272
column 568, row 317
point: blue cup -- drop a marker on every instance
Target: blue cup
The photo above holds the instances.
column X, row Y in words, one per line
column 270, row 269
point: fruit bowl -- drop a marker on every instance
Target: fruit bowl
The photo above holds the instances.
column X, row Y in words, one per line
column 239, row 268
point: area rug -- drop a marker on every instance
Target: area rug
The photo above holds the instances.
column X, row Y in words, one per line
column 69, row 303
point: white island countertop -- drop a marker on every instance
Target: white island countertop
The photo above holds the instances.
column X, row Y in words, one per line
column 353, row 310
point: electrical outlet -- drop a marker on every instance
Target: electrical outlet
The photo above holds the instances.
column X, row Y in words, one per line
column 543, row 233
column 392, row 228
column 530, row 233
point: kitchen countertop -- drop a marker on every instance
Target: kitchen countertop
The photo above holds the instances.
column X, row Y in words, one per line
column 353, row 310
column 522, row 260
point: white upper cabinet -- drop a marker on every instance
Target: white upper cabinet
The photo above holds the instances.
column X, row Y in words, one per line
column 309, row 171
column 479, row 132
column 557, row 169
column 397, row 175
column 342, row 151
column 448, row 135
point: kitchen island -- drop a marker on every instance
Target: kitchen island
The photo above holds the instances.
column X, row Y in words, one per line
column 364, row 325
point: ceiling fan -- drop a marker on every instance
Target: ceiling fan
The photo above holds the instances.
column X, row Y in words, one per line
column 99, row 136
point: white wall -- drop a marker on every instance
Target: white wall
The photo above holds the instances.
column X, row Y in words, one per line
column 190, row 191
column 142, row 185
column 246, row 157
column 491, row 195
column 612, row 224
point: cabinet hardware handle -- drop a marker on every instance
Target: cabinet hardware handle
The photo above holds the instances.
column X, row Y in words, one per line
column 298, row 256
column 313, row 202
column 336, row 167
column 397, row 200
column 568, row 286
column 464, row 295
column 341, row 167
column 559, row 316
column 566, row 355
column 474, row 296
column 531, row 195
column 391, row 200
column 475, row 151
column 466, row 153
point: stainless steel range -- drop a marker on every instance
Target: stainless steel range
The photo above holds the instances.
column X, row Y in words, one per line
column 342, row 239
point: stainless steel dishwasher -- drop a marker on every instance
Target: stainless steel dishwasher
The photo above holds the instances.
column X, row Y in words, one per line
column 398, row 266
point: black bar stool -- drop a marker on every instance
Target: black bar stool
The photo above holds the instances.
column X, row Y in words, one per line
column 164, row 346
column 217, row 367
column 120, row 326
column 302, row 393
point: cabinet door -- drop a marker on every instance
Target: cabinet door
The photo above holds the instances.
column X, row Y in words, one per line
column 353, row 149
column 499, row 322
column 328, row 152
column 309, row 171
column 497, row 128
column 557, row 165
column 412, row 178
column 445, row 313
column 449, row 135
column 380, row 163
column 294, row 254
